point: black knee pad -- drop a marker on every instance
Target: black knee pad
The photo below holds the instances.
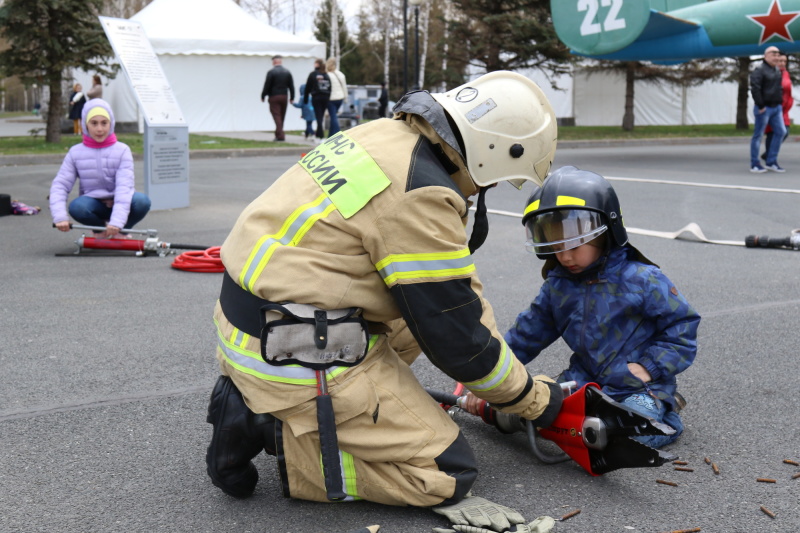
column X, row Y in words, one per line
column 459, row 462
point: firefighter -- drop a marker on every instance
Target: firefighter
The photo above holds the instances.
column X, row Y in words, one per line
column 352, row 263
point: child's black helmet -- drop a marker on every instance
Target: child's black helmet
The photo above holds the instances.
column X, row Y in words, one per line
column 571, row 208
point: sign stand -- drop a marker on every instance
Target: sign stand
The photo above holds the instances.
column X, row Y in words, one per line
column 166, row 134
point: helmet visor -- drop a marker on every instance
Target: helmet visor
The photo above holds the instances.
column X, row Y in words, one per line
column 565, row 229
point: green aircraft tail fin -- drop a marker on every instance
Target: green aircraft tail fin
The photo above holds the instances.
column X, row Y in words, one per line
column 598, row 27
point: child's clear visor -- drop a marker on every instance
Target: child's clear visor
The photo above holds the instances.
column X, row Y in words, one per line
column 564, row 229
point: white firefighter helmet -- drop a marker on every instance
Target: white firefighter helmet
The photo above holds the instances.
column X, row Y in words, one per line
column 507, row 125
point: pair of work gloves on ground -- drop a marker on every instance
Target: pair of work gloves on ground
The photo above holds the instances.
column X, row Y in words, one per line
column 478, row 515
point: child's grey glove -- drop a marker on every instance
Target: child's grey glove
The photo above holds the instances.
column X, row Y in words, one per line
column 543, row 524
column 479, row 512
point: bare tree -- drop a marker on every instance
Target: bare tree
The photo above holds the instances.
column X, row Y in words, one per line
column 282, row 14
column 686, row 74
column 334, row 46
column 385, row 17
column 123, row 8
column 447, row 15
column 742, row 76
column 426, row 15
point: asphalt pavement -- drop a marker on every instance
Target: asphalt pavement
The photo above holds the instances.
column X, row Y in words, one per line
column 108, row 362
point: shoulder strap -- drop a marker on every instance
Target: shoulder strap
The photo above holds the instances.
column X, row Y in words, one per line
column 339, row 81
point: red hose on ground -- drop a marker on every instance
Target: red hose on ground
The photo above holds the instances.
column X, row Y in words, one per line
column 200, row 261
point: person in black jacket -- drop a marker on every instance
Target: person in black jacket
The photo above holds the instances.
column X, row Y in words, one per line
column 765, row 86
column 383, row 101
column 318, row 86
column 278, row 82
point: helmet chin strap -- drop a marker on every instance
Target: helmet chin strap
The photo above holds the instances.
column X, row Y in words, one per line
column 480, row 228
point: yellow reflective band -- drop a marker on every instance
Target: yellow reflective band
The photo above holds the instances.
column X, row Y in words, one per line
column 349, row 475
column 345, row 172
column 433, row 265
column 239, row 337
column 569, row 200
column 291, row 233
column 348, row 468
column 533, row 206
column 498, row 375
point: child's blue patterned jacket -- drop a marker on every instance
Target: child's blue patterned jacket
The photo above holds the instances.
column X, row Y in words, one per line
column 618, row 311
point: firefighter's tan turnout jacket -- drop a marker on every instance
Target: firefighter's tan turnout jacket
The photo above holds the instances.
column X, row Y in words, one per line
column 374, row 218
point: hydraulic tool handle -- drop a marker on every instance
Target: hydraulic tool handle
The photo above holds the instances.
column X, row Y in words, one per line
column 178, row 246
column 763, row 241
column 443, row 397
column 328, row 442
column 506, row 423
column 102, row 228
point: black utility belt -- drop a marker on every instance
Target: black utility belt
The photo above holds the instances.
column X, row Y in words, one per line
column 293, row 333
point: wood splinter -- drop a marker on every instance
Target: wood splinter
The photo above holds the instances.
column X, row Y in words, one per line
column 570, row 514
column 670, row 483
column 765, row 480
column 683, row 469
column 691, row 530
column 767, row 512
column 797, row 475
column 715, row 468
column 707, row 460
column 790, row 462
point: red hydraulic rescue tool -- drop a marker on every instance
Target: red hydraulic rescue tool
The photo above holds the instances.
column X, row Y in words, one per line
column 592, row 429
column 142, row 247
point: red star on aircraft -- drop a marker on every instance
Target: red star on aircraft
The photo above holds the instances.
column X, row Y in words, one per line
column 775, row 23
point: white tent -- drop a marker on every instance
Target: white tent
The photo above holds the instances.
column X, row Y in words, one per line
column 216, row 57
column 599, row 100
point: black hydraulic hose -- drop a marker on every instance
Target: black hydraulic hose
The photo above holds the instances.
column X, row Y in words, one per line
column 188, row 246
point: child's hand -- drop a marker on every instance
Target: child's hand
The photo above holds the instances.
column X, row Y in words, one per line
column 63, row 225
column 640, row 372
column 111, row 231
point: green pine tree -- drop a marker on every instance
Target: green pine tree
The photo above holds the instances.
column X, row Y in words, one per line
column 48, row 37
column 507, row 35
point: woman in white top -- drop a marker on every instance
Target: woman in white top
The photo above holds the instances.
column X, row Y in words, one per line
column 338, row 94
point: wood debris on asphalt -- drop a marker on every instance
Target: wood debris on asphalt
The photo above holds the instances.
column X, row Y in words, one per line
column 570, row 515
column 767, row 512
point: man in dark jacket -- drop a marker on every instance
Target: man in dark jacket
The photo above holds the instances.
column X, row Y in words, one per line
column 278, row 82
column 765, row 86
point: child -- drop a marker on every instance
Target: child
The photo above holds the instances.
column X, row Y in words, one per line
column 105, row 169
column 630, row 329
column 306, row 111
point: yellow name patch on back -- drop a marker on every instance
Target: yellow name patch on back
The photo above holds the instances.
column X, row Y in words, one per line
column 345, row 172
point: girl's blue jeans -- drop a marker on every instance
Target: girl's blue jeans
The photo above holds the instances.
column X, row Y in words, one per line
column 93, row 212
column 647, row 406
